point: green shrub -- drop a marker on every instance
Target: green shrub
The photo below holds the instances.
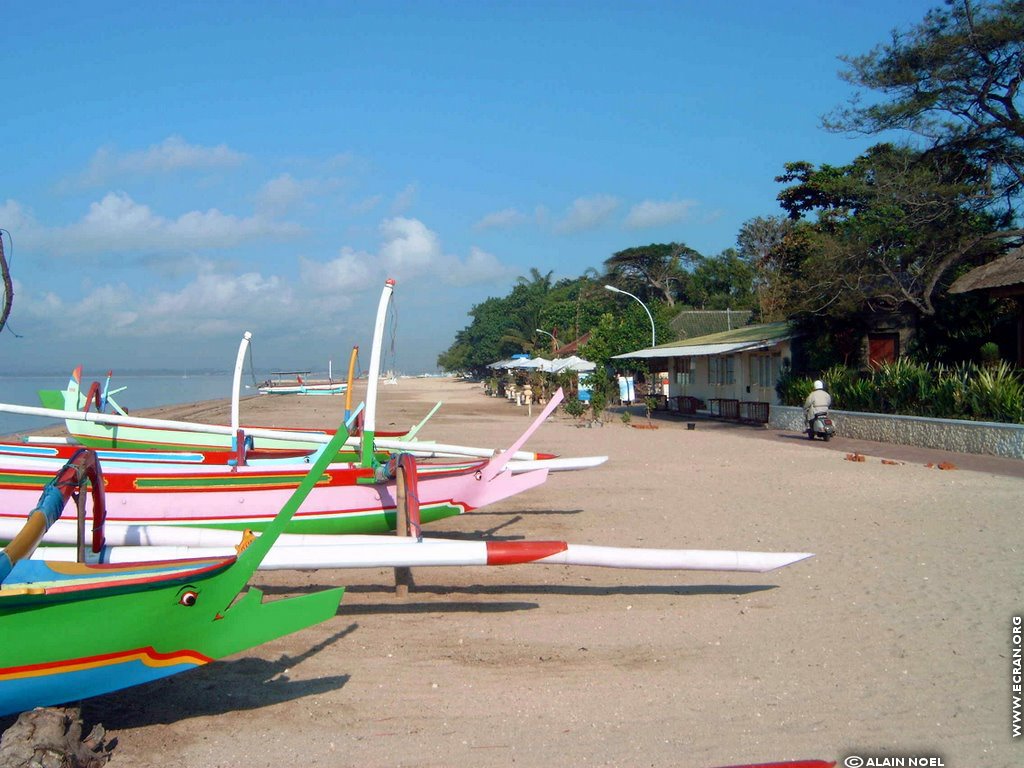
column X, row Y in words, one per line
column 989, row 353
column 966, row 391
column 626, row 417
column 996, row 394
column 793, row 389
column 858, row 394
column 574, row 407
column 903, row 386
column 948, row 394
column 598, row 401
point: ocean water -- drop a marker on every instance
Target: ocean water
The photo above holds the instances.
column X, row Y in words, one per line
column 142, row 391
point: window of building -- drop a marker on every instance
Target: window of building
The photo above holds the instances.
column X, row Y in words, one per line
column 764, row 370
column 722, row 370
column 684, row 371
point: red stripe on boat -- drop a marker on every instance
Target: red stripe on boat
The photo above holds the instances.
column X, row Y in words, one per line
column 513, row 552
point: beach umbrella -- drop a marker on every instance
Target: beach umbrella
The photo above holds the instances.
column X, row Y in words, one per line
column 534, row 364
column 572, row 363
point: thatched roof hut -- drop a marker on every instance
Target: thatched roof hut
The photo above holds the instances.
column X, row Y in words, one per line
column 1002, row 277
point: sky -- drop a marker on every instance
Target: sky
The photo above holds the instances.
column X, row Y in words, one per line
column 175, row 174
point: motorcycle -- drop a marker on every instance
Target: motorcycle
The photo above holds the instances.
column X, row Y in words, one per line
column 821, row 426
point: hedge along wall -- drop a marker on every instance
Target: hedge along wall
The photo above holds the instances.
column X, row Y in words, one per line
column 946, row 434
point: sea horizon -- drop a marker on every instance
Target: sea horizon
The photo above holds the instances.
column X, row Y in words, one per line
column 141, row 390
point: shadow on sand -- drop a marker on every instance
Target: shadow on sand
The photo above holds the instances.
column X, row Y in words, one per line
column 396, row 605
column 214, row 689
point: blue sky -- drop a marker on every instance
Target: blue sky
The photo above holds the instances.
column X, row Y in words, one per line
column 178, row 173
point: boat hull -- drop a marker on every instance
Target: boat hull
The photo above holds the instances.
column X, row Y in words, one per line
column 344, row 499
column 136, row 438
column 64, row 644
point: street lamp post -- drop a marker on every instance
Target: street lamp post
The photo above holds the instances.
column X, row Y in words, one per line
column 650, row 317
column 555, row 344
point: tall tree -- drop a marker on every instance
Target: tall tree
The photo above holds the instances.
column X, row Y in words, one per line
column 760, row 242
column 889, row 228
column 524, row 306
column 652, row 271
column 723, row 282
column 954, row 79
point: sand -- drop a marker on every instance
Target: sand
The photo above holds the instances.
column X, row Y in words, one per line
column 895, row 639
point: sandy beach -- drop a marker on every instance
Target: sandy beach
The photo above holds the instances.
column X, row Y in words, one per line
column 894, row 640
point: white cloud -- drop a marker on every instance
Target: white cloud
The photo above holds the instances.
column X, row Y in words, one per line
column 280, row 194
column 212, row 302
column 479, row 267
column 285, row 193
column 15, row 218
column 656, row 213
column 587, row 213
column 367, row 204
column 408, row 249
column 409, row 245
column 352, row 270
column 403, row 200
column 215, row 301
column 117, row 223
column 172, row 154
column 509, row 217
column 206, row 298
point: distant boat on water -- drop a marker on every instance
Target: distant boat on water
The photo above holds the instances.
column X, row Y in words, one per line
column 277, row 386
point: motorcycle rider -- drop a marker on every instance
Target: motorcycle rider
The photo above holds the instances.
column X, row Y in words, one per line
column 819, row 401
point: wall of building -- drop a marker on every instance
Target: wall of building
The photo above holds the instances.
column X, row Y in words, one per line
column 947, row 434
column 741, row 389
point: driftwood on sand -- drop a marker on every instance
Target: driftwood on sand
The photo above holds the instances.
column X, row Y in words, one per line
column 51, row 737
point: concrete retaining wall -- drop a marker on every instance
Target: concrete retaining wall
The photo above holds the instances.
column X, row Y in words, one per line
column 946, row 434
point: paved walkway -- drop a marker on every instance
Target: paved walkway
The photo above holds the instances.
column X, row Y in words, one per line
column 910, row 454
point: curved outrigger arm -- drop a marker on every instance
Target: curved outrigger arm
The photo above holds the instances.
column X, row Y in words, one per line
column 83, row 467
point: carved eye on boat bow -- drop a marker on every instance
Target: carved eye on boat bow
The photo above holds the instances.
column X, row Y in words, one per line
column 188, row 598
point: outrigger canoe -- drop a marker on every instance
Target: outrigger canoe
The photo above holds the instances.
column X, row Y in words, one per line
column 344, row 498
column 75, row 630
column 302, row 388
column 412, row 549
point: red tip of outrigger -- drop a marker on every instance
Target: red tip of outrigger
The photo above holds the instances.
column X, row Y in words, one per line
column 544, row 456
column 788, row 764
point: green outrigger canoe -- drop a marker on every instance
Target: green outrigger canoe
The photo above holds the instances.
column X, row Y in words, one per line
column 75, row 630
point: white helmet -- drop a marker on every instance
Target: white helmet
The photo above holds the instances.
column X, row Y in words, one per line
column 819, row 384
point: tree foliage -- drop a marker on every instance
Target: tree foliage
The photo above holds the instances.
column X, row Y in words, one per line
column 954, row 79
column 760, row 242
column 652, row 271
column 888, row 229
column 884, row 234
column 723, row 282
